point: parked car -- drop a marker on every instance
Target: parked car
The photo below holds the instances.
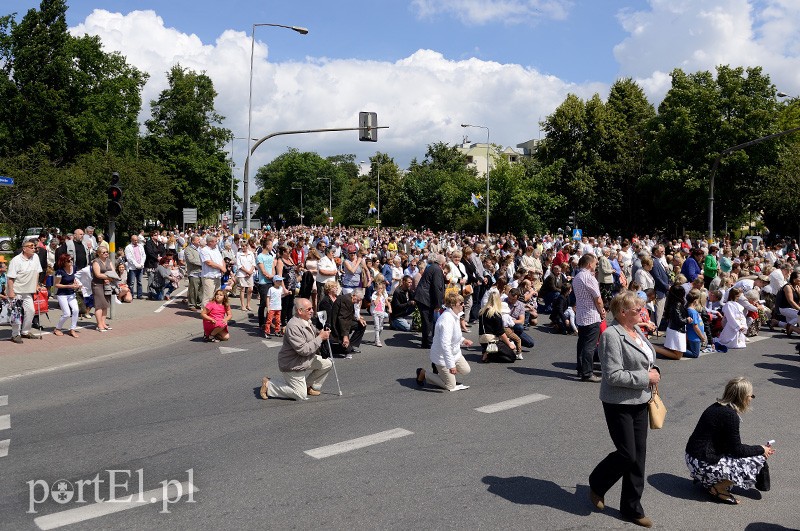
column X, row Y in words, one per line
column 5, row 243
column 32, row 234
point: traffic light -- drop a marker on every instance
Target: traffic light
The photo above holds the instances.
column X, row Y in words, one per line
column 572, row 219
column 368, row 126
column 114, row 196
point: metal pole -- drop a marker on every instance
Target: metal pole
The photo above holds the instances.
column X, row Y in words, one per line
column 299, row 30
column 379, row 191
column 488, row 148
column 330, row 201
column 112, row 253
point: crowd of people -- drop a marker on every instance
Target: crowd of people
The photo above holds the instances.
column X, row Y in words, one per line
column 317, row 286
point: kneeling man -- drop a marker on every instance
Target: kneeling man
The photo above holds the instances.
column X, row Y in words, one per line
column 303, row 369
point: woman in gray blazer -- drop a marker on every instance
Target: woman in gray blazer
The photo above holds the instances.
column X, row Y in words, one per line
column 628, row 362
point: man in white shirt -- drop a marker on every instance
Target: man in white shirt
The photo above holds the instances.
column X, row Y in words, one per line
column 23, row 279
column 134, row 256
column 213, row 267
column 90, row 241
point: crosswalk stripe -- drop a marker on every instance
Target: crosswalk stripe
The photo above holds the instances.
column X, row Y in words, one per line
column 5, row 422
column 4, row 447
column 171, row 300
column 509, row 404
column 4, row 400
column 355, row 444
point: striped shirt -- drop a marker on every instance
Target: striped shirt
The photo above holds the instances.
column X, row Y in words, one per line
column 586, row 290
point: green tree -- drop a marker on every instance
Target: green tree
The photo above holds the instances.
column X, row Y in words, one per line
column 183, row 135
column 63, row 92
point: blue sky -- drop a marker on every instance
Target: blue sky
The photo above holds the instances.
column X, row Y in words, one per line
column 428, row 65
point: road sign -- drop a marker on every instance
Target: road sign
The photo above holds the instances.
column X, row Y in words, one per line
column 189, row 215
column 6, row 181
column 577, row 234
column 377, row 222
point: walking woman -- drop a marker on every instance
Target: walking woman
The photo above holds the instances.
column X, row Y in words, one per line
column 629, row 371
column 101, row 287
column 715, row 455
column 66, row 285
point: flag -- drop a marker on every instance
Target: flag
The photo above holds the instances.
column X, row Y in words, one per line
column 325, row 211
column 372, row 209
column 476, row 199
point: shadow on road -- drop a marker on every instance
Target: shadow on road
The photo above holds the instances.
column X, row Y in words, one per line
column 532, row 371
column 788, row 375
column 532, row 491
column 764, row 526
column 677, row 487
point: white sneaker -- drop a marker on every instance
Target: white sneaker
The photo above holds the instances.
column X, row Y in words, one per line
column 459, row 387
column 519, row 357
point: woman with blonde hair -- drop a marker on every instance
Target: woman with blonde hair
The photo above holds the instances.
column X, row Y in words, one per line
column 715, row 455
column 492, row 332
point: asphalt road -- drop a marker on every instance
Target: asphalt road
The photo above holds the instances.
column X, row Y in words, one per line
column 189, row 411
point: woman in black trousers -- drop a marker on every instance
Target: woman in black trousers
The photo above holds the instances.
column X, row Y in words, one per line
column 627, row 359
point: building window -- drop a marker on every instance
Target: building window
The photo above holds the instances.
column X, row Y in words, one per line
column 469, row 159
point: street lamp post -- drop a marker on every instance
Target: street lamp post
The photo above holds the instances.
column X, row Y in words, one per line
column 330, row 198
column 301, row 31
column 487, row 173
column 301, row 202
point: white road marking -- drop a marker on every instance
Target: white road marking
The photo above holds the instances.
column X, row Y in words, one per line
column 4, row 400
column 96, row 510
column 4, row 447
column 171, row 300
column 509, row 404
column 271, row 344
column 355, row 444
column 5, row 422
column 228, row 350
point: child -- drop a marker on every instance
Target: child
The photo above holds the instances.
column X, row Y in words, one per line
column 677, row 318
column 276, row 292
column 695, row 336
column 380, row 307
column 216, row 314
column 713, row 309
column 508, row 325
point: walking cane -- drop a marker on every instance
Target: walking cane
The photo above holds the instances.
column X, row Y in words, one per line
column 322, row 315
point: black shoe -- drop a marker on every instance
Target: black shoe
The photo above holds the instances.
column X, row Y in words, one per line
column 435, row 370
column 592, row 379
column 420, row 376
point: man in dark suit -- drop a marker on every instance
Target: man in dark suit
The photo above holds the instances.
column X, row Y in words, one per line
column 661, row 279
column 430, row 295
column 347, row 328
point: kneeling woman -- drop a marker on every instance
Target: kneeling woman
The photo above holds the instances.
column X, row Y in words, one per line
column 446, row 348
column 216, row 314
column 492, row 332
column 715, row 454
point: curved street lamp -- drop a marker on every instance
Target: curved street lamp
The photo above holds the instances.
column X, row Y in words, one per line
column 301, row 31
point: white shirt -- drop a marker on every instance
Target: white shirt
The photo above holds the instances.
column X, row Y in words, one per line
column 776, row 282
column 25, row 273
column 325, row 263
column 207, row 253
column 130, row 256
column 447, row 338
column 245, row 261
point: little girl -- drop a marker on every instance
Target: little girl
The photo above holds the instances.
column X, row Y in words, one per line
column 275, row 295
column 380, row 307
column 677, row 319
column 695, row 335
column 216, row 314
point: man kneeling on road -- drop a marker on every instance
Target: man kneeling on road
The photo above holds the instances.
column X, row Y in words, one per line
column 303, row 369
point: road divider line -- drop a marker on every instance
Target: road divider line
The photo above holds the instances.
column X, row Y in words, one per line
column 229, row 350
column 5, row 422
column 171, row 300
column 271, row 344
column 4, row 400
column 355, row 444
column 103, row 508
column 509, row 404
column 4, row 447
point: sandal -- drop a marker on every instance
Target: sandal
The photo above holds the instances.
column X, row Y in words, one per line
column 723, row 497
column 73, row 333
column 57, row 332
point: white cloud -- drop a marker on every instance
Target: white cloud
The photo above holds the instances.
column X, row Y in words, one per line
column 423, row 97
column 702, row 35
column 483, row 11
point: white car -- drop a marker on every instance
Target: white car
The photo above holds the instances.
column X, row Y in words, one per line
column 5, row 243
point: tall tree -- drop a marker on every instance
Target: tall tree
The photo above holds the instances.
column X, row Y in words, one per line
column 183, row 135
column 63, row 92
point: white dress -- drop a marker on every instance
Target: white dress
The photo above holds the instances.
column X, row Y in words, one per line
column 732, row 335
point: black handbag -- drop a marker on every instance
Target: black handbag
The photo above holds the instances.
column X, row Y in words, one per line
column 762, row 479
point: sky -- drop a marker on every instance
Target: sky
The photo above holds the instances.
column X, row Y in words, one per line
column 427, row 66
